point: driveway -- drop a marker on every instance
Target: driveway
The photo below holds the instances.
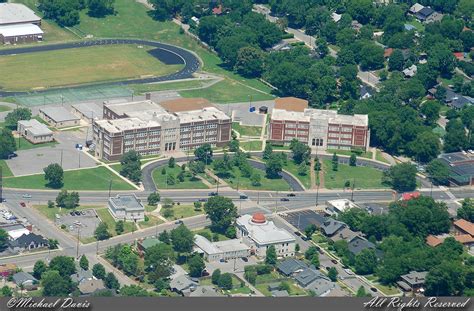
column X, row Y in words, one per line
column 33, row 161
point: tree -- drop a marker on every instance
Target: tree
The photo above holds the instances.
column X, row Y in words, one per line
column 65, row 265
column 234, row 145
column 53, row 244
column 365, row 262
column 67, row 200
column 425, row 147
column 361, row 292
column 221, row 211
column 39, row 268
column 396, row 61
column 249, row 62
column 111, row 281
column 134, row 290
column 455, row 138
column 267, row 152
column 271, row 256
column 303, row 169
column 84, row 263
column 6, row 291
column 102, row 232
column 431, row 110
column 98, row 271
column 18, row 114
column 4, row 239
column 153, row 198
column 466, row 211
column 401, row 177
column 196, row 265
column 256, row 179
column 216, row 275
column 332, row 274
column 159, row 261
column 100, row 8
column 54, row 175
column 438, row 171
column 131, row 166
column 182, row 239
column 353, row 160
column 161, row 284
column 445, row 279
column 301, row 152
column 335, row 162
column 315, row 261
column 273, row 166
column 204, row 153
column 171, row 162
column 225, row 281
column 7, row 143
column 55, row 285
column 371, row 57
column 311, row 252
column 119, row 227
column 164, row 237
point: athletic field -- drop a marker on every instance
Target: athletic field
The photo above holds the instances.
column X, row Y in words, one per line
column 38, row 70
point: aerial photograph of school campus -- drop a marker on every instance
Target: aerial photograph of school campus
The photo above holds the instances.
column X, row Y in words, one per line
column 236, row 148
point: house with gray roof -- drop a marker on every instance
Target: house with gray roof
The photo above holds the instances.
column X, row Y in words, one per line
column 345, row 234
column 280, row 293
column 331, row 226
column 308, row 276
column 412, row 281
column 27, row 242
column 183, row 285
column 82, row 275
column 25, row 280
column 358, row 244
column 205, row 291
column 321, row 286
column 127, row 207
column 290, row 266
column 58, row 117
column 88, row 287
column 214, row 251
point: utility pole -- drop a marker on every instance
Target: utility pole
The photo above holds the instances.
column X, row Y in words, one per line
column 110, row 187
column 258, row 197
column 61, row 158
column 217, row 185
column 78, row 237
column 353, row 186
column 79, row 159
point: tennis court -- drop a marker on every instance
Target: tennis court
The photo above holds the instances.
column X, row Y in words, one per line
column 69, row 95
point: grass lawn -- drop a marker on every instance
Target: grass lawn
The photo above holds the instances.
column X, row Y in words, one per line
column 183, row 211
column 386, row 289
column 227, row 91
column 161, row 180
column 438, row 130
column 4, row 108
column 154, row 87
column 23, row 144
column 106, row 217
column 380, row 157
column 150, row 208
column 275, row 278
column 85, row 65
column 237, row 288
column 247, row 130
column 152, row 221
column 365, row 177
column 87, row 179
column 292, row 167
column 6, row 172
column 367, row 155
column 251, row 145
column 237, row 181
column 50, row 213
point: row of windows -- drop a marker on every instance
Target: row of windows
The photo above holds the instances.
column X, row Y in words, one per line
column 340, row 129
column 300, row 126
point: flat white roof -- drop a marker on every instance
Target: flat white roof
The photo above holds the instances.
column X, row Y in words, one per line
column 58, row 114
column 266, row 233
column 20, row 30
column 35, row 127
column 330, row 115
column 342, row 204
column 220, row 247
column 11, row 13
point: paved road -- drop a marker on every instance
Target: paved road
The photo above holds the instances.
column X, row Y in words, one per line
column 190, row 60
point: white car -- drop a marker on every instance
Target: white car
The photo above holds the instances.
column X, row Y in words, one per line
column 349, row 271
column 26, row 196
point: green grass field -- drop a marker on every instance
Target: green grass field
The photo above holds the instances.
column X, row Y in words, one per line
column 106, row 217
column 6, row 172
column 237, row 181
column 84, row 65
column 155, row 87
column 161, row 180
column 4, row 108
column 367, row 155
column 23, row 144
column 152, row 221
column 183, row 211
column 365, row 177
column 244, row 130
column 207, row 231
column 227, row 91
column 251, row 145
column 292, row 167
column 87, row 179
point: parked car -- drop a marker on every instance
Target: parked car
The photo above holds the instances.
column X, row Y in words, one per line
column 243, row 196
column 222, row 260
column 78, row 146
column 22, row 204
column 291, row 195
column 297, row 233
column 77, row 213
column 12, row 155
column 202, row 200
column 373, row 289
column 334, row 261
column 284, row 199
column 245, row 259
column 72, row 214
column 349, row 271
column 205, row 273
column 26, row 196
column 178, row 222
column 212, row 194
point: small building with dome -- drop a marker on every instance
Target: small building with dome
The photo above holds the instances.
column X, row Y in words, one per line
column 259, row 234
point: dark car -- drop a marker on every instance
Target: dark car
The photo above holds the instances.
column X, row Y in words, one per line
column 334, row 261
column 77, row 213
column 12, row 155
column 243, row 197
column 22, row 204
column 245, row 259
column 291, row 195
column 212, row 194
column 297, row 233
column 205, row 273
column 373, row 289
column 72, row 213
column 284, row 199
column 202, row 200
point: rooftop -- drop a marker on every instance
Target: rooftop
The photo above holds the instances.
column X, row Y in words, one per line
column 290, row 266
column 414, row 277
column 58, row 114
column 342, row 204
column 129, row 202
column 264, row 233
column 35, row 127
column 219, row 247
column 291, row 104
column 204, row 114
column 13, row 13
column 331, row 226
column 20, row 30
column 358, row 244
column 127, row 124
column 465, row 226
column 90, row 110
column 22, row 277
column 185, row 104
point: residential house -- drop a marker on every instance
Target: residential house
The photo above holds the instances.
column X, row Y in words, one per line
column 423, row 14
column 290, row 266
column 183, row 285
column 321, row 286
column 465, row 239
column 144, row 244
column 415, row 8
column 27, row 242
column 88, row 287
column 365, row 92
column 308, row 276
column 331, row 226
column 358, row 244
column 205, row 291
column 412, row 281
column 280, row 293
column 25, row 280
column 457, row 101
column 462, row 226
column 345, row 234
column 82, row 275
column 410, row 72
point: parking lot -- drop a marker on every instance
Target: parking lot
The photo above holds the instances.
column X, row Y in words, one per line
column 302, row 219
column 33, row 161
column 86, row 222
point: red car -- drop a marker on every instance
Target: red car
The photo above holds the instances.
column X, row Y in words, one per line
column 22, row 204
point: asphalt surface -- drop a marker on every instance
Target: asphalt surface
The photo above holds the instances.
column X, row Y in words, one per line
column 191, row 61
